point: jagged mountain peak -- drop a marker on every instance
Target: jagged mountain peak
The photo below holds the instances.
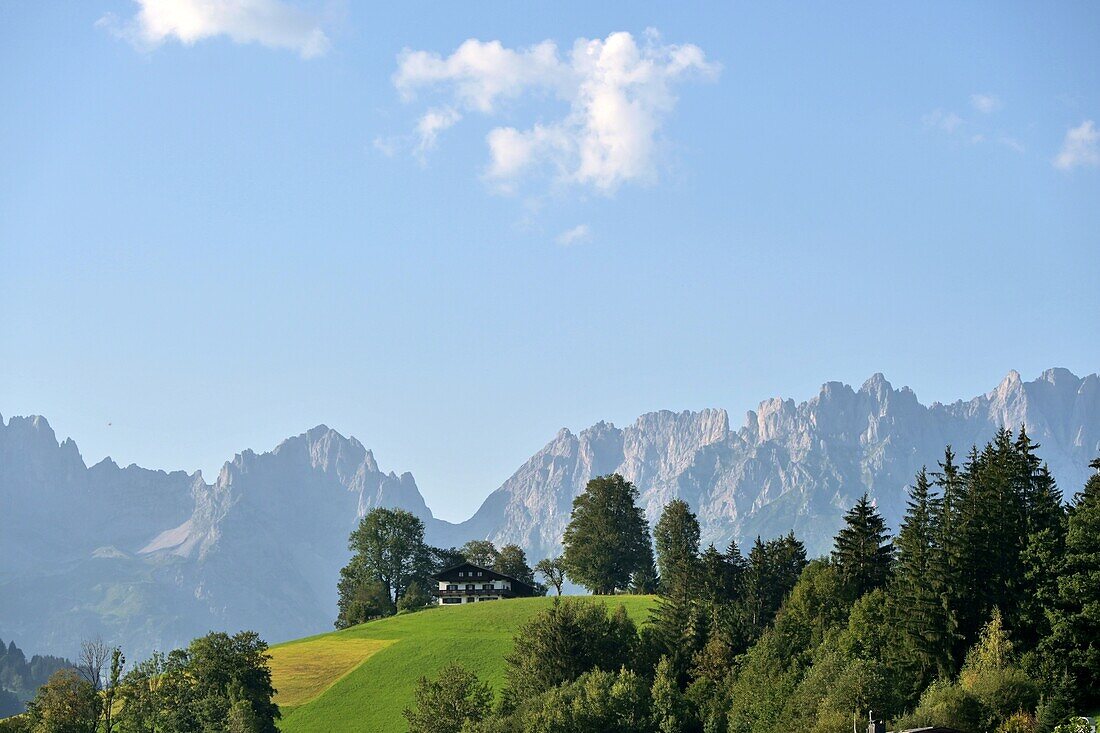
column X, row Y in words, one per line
column 261, row 546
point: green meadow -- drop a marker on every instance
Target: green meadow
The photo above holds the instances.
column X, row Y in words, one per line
column 360, row 679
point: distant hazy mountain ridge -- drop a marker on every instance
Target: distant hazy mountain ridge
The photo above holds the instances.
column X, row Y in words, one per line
column 151, row 558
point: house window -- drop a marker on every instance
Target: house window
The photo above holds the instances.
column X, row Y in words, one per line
column 460, row 573
column 487, row 586
column 479, row 573
column 469, row 586
column 449, row 601
column 452, row 586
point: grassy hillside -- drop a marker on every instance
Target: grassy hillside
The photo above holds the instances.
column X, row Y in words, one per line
column 360, row 679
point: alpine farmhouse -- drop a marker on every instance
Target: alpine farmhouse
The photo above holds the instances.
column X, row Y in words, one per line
column 468, row 583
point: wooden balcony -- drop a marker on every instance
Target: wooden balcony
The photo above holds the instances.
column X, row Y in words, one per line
column 472, row 592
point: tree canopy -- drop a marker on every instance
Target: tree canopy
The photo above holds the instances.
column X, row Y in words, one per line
column 607, row 538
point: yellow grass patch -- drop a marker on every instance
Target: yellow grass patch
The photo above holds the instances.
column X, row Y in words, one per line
column 303, row 670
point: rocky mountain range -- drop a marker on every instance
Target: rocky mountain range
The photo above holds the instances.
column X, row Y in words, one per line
column 150, row 559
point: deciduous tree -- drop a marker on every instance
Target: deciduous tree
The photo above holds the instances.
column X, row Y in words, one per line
column 607, row 538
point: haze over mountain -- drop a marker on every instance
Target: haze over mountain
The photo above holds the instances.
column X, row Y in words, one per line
column 150, row 559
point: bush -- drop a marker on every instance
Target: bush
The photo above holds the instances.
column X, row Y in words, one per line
column 563, row 642
column 1019, row 722
column 596, row 701
column 947, row 705
column 453, row 700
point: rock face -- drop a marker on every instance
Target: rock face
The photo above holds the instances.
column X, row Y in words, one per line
column 154, row 559
column 791, row 467
column 151, row 559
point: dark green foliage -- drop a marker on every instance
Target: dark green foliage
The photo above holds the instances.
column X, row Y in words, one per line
column 446, row 557
column 598, row 701
column 1073, row 646
column 512, row 560
column 361, row 600
column 607, row 539
column 677, row 538
column 645, row 580
column 414, row 598
column 447, row 703
column 387, row 549
column 679, row 622
column 562, row 643
column 65, row 704
column 991, row 535
column 217, row 681
column 480, row 552
column 991, row 687
column 773, row 569
column 773, row 667
column 862, row 552
column 920, row 600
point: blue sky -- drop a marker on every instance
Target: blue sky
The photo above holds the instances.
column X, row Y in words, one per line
column 220, row 230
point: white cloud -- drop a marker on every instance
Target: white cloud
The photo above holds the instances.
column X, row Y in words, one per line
column 576, row 235
column 1081, row 147
column 618, row 94
column 270, row 23
column 940, row 120
column 431, row 124
column 985, row 103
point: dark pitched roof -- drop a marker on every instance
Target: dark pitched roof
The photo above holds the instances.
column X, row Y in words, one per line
column 451, row 569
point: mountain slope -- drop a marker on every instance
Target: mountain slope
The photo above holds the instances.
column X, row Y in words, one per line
column 151, row 559
column 791, row 466
column 368, row 685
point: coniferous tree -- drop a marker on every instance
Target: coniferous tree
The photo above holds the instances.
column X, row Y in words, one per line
column 1044, row 545
column 919, row 597
column 773, row 569
column 607, row 538
column 992, row 532
column 676, row 619
column 1073, row 646
column 947, row 564
column 677, row 538
column 862, row 552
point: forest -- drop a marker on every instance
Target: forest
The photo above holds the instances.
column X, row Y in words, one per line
column 982, row 613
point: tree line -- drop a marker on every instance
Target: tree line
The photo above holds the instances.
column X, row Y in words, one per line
column 980, row 614
column 219, row 683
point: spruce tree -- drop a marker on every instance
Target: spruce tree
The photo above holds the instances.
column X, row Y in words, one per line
column 947, row 564
column 919, row 597
column 773, row 569
column 992, row 533
column 677, row 538
column 1074, row 642
column 862, row 553
column 1044, row 545
column 679, row 614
